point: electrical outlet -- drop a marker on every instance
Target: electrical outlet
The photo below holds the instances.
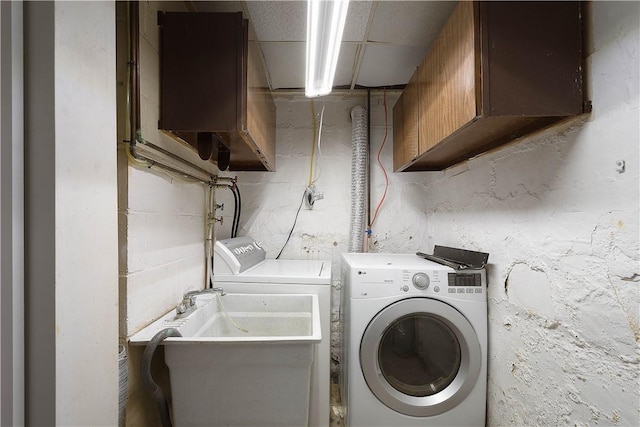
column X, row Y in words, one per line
column 311, row 195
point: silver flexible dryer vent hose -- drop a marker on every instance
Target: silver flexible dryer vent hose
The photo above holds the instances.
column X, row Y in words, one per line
column 359, row 154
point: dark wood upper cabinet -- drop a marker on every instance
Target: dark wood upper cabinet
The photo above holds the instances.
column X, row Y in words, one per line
column 497, row 71
column 214, row 94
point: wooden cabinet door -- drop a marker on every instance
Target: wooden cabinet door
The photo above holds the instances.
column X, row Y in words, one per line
column 214, row 92
column 405, row 125
column 497, row 71
column 447, row 79
column 261, row 110
column 199, row 67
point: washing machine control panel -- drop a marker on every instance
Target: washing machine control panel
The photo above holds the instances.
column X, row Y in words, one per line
column 383, row 275
column 467, row 284
column 421, row 281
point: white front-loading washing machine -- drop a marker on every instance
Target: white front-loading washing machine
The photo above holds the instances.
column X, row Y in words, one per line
column 415, row 342
column 240, row 266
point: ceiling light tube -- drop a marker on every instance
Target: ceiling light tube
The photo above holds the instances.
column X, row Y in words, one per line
column 325, row 25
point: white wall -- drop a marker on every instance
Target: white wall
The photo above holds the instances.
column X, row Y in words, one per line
column 561, row 225
column 559, row 220
column 70, row 212
column 161, row 223
column 270, row 200
column 162, row 217
column 86, row 221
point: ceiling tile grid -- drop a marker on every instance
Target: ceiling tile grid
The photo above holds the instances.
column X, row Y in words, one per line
column 382, row 44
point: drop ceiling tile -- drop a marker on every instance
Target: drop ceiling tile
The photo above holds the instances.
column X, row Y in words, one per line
column 279, row 20
column 399, row 34
column 224, row 6
column 346, row 62
column 287, row 20
column 409, row 23
column 286, row 63
column 386, row 64
column 357, row 19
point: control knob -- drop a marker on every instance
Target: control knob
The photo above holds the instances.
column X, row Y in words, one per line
column 420, row 281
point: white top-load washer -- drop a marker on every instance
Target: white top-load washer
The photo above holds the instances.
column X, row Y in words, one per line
column 240, row 266
column 415, row 342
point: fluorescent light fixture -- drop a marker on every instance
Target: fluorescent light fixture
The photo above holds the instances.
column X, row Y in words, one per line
column 325, row 24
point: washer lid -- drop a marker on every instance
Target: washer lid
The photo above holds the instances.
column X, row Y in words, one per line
column 282, row 271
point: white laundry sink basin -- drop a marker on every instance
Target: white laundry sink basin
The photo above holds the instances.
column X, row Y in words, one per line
column 248, row 318
column 242, row 360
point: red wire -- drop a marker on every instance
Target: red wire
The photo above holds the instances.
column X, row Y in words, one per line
column 386, row 177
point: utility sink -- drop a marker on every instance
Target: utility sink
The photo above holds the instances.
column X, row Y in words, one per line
column 248, row 318
column 242, row 360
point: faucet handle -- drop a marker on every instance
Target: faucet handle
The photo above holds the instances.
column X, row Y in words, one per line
column 189, row 301
column 187, row 305
column 181, row 309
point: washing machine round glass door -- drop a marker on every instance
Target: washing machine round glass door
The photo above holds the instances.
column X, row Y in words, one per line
column 420, row 356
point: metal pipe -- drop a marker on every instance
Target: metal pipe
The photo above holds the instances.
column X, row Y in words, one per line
column 210, row 236
column 167, row 153
column 135, row 130
column 155, row 163
column 134, row 69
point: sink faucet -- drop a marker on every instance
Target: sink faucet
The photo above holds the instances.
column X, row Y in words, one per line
column 188, row 303
column 191, row 294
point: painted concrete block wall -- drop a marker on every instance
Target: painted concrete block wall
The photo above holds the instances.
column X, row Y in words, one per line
column 162, row 217
column 270, row 200
column 560, row 220
column 557, row 216
column 165, row 244
column 161, row 226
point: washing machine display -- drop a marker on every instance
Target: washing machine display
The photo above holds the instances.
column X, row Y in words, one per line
column 415, row 345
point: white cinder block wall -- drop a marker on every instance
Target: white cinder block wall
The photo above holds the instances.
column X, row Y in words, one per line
column 161, row 224
column 270, row 200
column 162, row 217
column 558, row 218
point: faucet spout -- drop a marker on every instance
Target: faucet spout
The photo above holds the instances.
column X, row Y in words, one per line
column 190, row 294
column 188, row 303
